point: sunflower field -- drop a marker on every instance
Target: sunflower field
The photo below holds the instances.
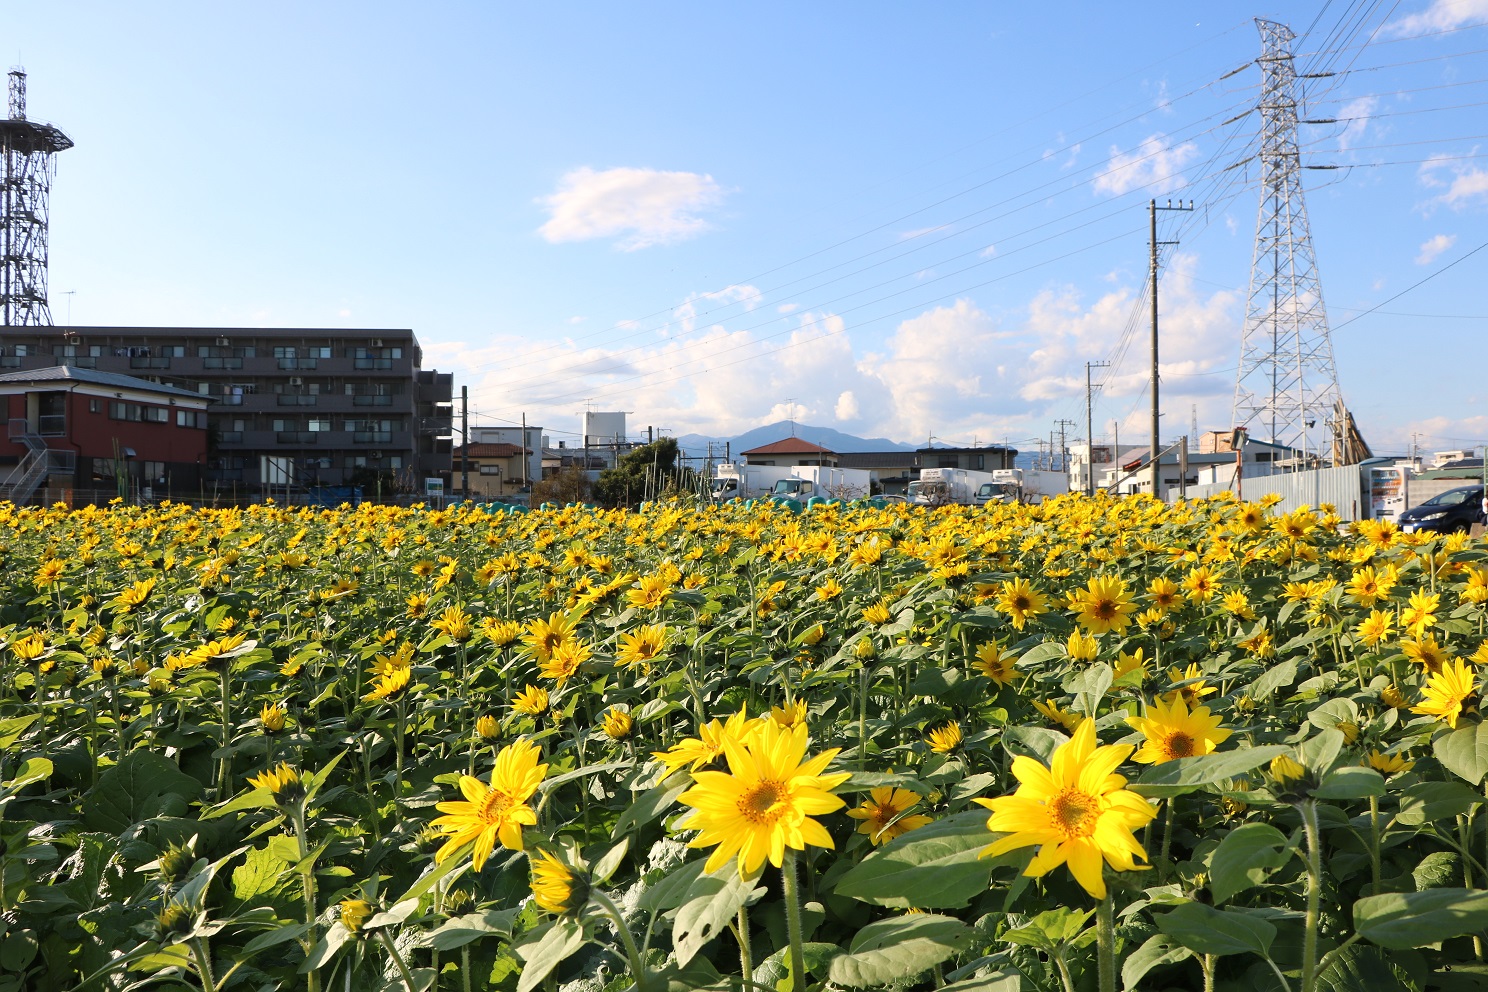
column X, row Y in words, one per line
column 1090, row 744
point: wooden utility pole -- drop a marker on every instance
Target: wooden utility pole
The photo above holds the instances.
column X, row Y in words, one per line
column 465, row 442
column 1153, row 243
column 1090, row 425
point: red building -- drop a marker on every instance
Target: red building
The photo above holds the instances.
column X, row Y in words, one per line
column 80, row 429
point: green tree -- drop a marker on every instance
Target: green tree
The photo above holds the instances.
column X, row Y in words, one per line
column 647, row 472
column 568, row 485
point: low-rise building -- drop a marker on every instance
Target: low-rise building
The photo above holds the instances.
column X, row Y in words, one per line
column 496, row 469
column 790, row 451
column 72, row 429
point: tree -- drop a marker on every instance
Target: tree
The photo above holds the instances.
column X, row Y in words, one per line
column 647, row 472
column 567, row 485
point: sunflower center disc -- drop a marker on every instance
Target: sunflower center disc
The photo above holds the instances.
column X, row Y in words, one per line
column 1180, row 745
column 1074, row 812
column 495, row 805
column 760, row 800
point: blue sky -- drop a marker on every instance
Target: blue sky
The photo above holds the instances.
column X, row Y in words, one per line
column 897, row 220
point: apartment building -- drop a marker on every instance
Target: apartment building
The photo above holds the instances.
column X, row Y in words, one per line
column 290, row 406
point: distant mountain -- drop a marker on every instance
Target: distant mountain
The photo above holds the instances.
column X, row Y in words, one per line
column 833, row 440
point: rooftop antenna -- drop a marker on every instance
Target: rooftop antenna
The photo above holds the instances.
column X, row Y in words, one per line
column 28, row 149
column 792, row 414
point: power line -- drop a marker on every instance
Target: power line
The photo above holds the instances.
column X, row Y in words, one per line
column 1412, row 286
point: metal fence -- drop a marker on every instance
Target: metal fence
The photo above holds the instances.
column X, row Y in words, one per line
column 1342, row 487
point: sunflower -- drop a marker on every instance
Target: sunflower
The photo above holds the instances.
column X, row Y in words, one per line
column 945, row 739
column 556, row 887
column 544, row 636
column 829, row 590
column 1421, row 613
column 1103, row 605
column 1068, row 719
column 50, row 572
column 883, row 814
column 1199, row 584
column 617, row 723
column 1165, row 594
column 1389, row 764
column 877, row 614
column 389, row 686
column 272, row 718
column 765, row 802
column 281, row 782
column 645, row 643
column 992, row 662
column 1375, row 628
column 709, row 743
column 1077, row 812
column 1019, row 600
column 1081, row 646
column 454, row 623
column 532, row 701
column 1197, row 688
column 1173, row 732
column 355, row 913
column 564, row 661
column 650, row 592
column 790, row 714
column 1447, row 692
column 1427, row 653
column 494, row 812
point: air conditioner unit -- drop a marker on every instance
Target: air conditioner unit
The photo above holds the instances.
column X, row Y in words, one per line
column 295, row 380
column 374, row 455
column 223, row 342
column 377, row 342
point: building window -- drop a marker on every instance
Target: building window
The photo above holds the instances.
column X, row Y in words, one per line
column 95, row 406
column 157, row 415
column 120, row 410
column 319, row 425
column 189, row 418
column 155, row 471
column 285, row 352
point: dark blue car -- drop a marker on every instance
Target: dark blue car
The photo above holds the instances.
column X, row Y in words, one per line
column 1446, row 513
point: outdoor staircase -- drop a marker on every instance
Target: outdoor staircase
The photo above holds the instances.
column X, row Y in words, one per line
column 39, row 462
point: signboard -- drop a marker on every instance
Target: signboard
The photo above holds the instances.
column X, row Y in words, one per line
column 433, row 487
column 1387, row 492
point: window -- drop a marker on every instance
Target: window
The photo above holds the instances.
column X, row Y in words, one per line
column 157, row 415
column 282, row 424
column 320, row 352
column 189, row 418
column 95, row 406
column 490, row 470
column 154, row 471
column 285, row 352
column 319, row 425
column 120, row 410
column 395, row 462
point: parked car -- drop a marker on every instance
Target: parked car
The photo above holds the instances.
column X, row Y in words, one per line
column 1454, row 510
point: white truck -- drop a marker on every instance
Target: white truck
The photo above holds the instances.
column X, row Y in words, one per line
column 735, row 481
column 945, row 486
column 823, row 481
column 1022, row 485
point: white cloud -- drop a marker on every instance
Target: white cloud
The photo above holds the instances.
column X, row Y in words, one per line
column 641, row 207
column 686, row 315
column 1433, row 248
column 1442, row 15
column 922, row 231
column 1464, row 185
column 847, row 406
column 1360, row 110
column 1154, row 166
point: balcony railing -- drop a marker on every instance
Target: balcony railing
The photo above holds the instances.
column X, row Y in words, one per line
column 298, row 399
column 142, row 362
column 373, row 363
column 289, row 364
column 297, row 437
column 52, row 424
column 372, row 401
column 372, row 437
column 230, row 437
column 222, row 363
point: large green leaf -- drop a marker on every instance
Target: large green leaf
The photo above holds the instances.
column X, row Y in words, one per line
column 897, row 949
column 712, row 902
column 1427, row 802
column 1464, row 752
column 650, row 804
column 1206, row 930
column 142, row 786
column 1351, row 782
column 1159, row 950
column 1278, row 676
column 1415, row 919
column 13, row 727
column 1245, row 857
column 539, row 959
column 934, row 867
column 1184, row 775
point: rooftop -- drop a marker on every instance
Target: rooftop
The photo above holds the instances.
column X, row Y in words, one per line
column 790, row 446
column 113, row 380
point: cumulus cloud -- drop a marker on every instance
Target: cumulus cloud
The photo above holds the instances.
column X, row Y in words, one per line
column 639, row 207
column 1357, row 114
column 1442, row 15
column 1431, row 249
column 686, row 315
column 847, row 406
column 1155, row 166
column 1462, row 185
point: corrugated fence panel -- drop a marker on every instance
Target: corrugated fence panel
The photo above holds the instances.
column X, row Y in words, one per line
column 1343, row 487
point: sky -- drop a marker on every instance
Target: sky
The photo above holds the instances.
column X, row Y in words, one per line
column 913, row 221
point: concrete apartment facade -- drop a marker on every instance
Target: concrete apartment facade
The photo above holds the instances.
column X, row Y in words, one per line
column 294, row 407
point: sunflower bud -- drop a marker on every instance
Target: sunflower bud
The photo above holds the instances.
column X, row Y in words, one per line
column 174, row 918
column 556, row 887
column 175, row 862
column 487, row 728
column 1391, row 696
column 618, row 724
column 355, row 913
column 272, row 717
column 1292, row 782
column 865, row 649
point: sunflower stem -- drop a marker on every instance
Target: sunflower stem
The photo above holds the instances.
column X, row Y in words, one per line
column 1308, row 809
column 392, row 949
column 1207, row 963
column 307, row 886
column 637, row 961
column 793, row 920
column 746, row 951
column 203, row 958
column 1167, row 840
column 1064, row 973
column 863, row 681
column 1374, row 845
column 1105, row 930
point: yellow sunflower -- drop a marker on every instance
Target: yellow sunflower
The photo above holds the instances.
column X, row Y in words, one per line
column 1173, row 732
column 493, row 812
column 883, row 814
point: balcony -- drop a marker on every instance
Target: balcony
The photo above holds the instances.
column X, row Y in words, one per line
column 298, row 399
column 373, row 363
column 222, row 363
column 372, row 437
column 230, row 437
column 290, row 364
column 142, row 362
column 52, row 425
column 297, row 437
column 372, row 401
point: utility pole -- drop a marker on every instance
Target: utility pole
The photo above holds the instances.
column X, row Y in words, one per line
column 526, row 455
column 465, row 442
column 1090, row 424
column 1063, row 449
column 1152, row 209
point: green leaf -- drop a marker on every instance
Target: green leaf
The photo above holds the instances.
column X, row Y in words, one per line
column 1245, row 857
column 1185, row 775
column 559, row 941
column 934, row 867
column 896, row 949
column 1278, row 676
column 1464, row 752
column 31, row 770
column 1206, row 930
column 651, row 804
column 671, row 890
column 1002, row 981
column 174, row 956
column 712, row 902
column 326, row 948
column 258, row 874
column 1050, row 930
column 1351, row 782
column 471, row 927
column 1090, row 686
column 1414, row 919
column 552, row 783
column 1048, row 651
column 141, row 786
column 281, row 934
column 1436, row 870
column 612, row 859
column 1427, row 802
column 1039, row 742
column 12, row 728
column 1320, row 751
column 1159, row 950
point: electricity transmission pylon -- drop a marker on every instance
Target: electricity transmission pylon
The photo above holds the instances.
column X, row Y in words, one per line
column 1287, row 384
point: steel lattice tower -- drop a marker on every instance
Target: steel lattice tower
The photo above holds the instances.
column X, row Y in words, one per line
column 1287, row 384
column 28, row 149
